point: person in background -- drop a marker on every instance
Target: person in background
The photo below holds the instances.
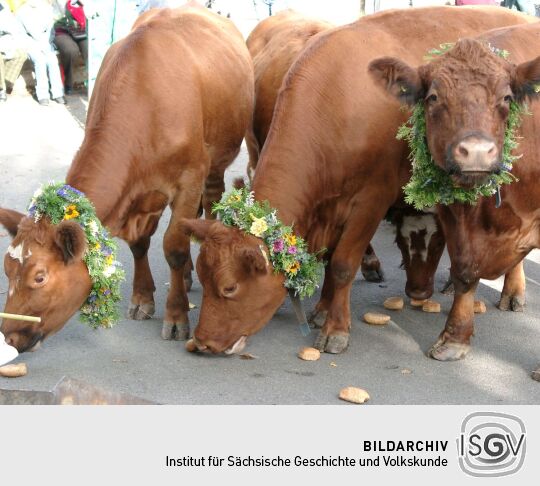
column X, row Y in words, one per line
column 70, row 39
column 12, row 52
column 36, row 16
column 526, row 6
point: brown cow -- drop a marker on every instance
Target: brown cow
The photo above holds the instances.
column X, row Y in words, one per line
column 467, row 94
column 167, row 116
column 331, row 166
column 274, row 44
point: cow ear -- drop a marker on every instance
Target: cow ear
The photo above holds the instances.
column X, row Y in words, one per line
column 70, row 238
column 399, row 79
column 198, row 228
column 10, row 220
column 254, row 260
column 527, row 80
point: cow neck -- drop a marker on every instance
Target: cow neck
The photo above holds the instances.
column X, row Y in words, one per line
column 103, row 188
column 284, row 196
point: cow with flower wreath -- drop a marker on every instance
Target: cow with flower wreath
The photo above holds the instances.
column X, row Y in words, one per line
column 474, row 139
column 329, row 170
column 151, row 141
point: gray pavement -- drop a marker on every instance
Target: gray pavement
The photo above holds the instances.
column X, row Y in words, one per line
column 37, row 145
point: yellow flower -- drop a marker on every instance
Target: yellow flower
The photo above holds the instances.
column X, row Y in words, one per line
column 97, row 246
column 234, row 198
column 71, row 212
column 109, row 260
column 290, row 239
column 293, row 268
column 258, row 227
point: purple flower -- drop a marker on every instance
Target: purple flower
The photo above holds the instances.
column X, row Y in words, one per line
column 278, row 246
column 63, row 191
column 72, row 189
column 106, row 292
column 105, row 250
column 92, row 298
column 292, row 250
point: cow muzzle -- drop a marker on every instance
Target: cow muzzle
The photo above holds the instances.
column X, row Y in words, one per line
column 473, row 160
column 24, row 342
column 215, row 348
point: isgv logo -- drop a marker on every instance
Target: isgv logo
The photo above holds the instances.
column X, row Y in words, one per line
column 491, row 444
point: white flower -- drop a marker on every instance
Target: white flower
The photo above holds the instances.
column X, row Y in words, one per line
column 109, row 271
column 93, row 227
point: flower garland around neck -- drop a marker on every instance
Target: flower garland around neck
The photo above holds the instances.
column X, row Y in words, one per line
column 60, row 202
column 429, row 184
column 288, row 252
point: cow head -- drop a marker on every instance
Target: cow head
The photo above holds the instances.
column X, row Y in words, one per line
column 241, row 292
column 420, row 239
column 466, row 94
column 46, row 274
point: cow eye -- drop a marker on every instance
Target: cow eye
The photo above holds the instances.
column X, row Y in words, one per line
column 431, row 98
column 230, row 290
column 40, row 279
column 508, row 98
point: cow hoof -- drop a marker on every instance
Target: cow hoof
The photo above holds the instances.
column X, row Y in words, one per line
column 141, row 312
column 333, row 344
column 337, row 343
column 320, row 341
column 317, row 318
column 445, row 351
column 178, row 332
column 514, row 303
column 535, row 375
column 373, row 275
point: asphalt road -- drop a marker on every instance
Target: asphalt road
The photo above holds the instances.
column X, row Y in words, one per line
column 37, row 145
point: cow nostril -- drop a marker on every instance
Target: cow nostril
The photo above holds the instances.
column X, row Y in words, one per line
column 492, row 150
column 463, row 151
column 10, row 341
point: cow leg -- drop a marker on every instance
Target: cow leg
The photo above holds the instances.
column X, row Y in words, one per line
column 513, row 293
column 214, row 187
column 344, row 263
column 142, row 300
column 177, row 254
column 454, row 342
column 188, row 278
column 318, row 315
column 371, row 266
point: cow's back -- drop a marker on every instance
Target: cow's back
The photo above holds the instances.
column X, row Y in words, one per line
column 334, row 131
column 265, row 30
column 176, row 94
column 274, row 45
column 189, row 65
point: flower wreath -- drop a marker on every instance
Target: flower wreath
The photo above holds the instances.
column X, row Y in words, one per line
column 429, row 184
column 288, row 252
column 60, row 202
